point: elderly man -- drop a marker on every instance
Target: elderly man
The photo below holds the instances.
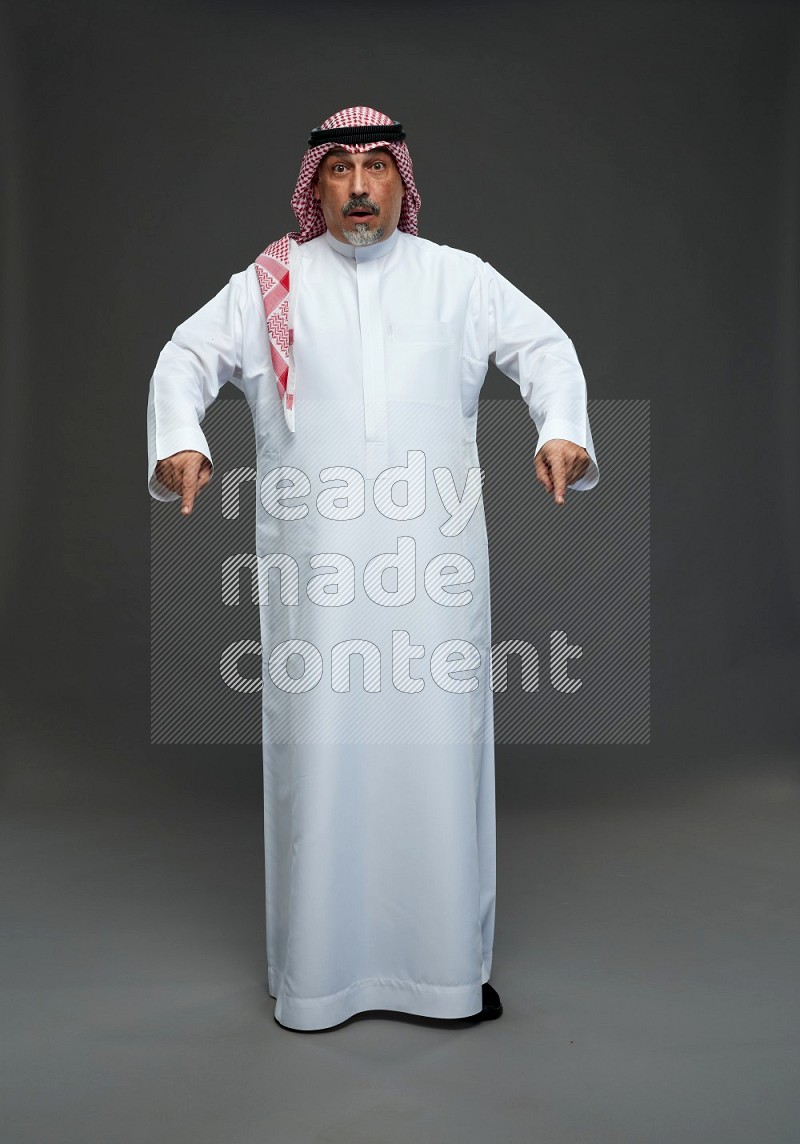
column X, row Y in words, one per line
column 361, row 349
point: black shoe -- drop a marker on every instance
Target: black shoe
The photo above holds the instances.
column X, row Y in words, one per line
column 492, row 1006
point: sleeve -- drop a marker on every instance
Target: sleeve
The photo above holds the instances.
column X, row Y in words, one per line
column 203, row 354
column 532, row 349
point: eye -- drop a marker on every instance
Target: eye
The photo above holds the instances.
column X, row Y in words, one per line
column 379, row 163
column 338, row 167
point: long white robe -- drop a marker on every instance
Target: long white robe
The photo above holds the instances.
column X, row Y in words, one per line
column 379, row 810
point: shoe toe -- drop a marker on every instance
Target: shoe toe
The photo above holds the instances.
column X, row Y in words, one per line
column 492, row 1006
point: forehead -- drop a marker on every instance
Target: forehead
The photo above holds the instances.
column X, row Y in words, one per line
column 337, row 154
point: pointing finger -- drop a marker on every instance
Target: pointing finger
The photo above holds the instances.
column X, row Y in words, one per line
column 559, row 474
column 189, row 485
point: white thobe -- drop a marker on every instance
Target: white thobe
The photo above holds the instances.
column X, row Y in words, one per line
column 379, row 812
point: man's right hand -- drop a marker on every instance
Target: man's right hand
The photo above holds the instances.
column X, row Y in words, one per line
column 185, row 473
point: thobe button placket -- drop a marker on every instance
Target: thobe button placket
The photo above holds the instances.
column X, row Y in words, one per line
column 373, row 366
column 368, row 267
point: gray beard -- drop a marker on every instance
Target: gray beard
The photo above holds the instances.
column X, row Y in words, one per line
column 362, row 235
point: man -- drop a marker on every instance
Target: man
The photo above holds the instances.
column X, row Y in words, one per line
column 361, row 349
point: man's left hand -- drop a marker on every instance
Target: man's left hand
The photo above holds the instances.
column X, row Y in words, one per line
column 558, row 463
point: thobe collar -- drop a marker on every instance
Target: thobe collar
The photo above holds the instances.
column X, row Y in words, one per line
column 364, row 253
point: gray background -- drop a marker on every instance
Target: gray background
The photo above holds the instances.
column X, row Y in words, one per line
column 634, row 169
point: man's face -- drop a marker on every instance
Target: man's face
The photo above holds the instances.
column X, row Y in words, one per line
column 361, row 195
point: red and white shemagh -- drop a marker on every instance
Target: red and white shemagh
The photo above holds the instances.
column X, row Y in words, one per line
column 272, row 265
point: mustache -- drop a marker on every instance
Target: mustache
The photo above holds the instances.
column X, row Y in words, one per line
column 362, row 204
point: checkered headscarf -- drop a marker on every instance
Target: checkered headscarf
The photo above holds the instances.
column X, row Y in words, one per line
column 272, row 265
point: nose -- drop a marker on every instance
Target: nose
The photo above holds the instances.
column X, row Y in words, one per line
column 359, row 184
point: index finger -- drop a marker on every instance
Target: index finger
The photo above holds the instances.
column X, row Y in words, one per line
column 559, row 473
column 189, row 474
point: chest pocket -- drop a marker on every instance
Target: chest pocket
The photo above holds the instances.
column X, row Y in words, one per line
column 422, row 361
